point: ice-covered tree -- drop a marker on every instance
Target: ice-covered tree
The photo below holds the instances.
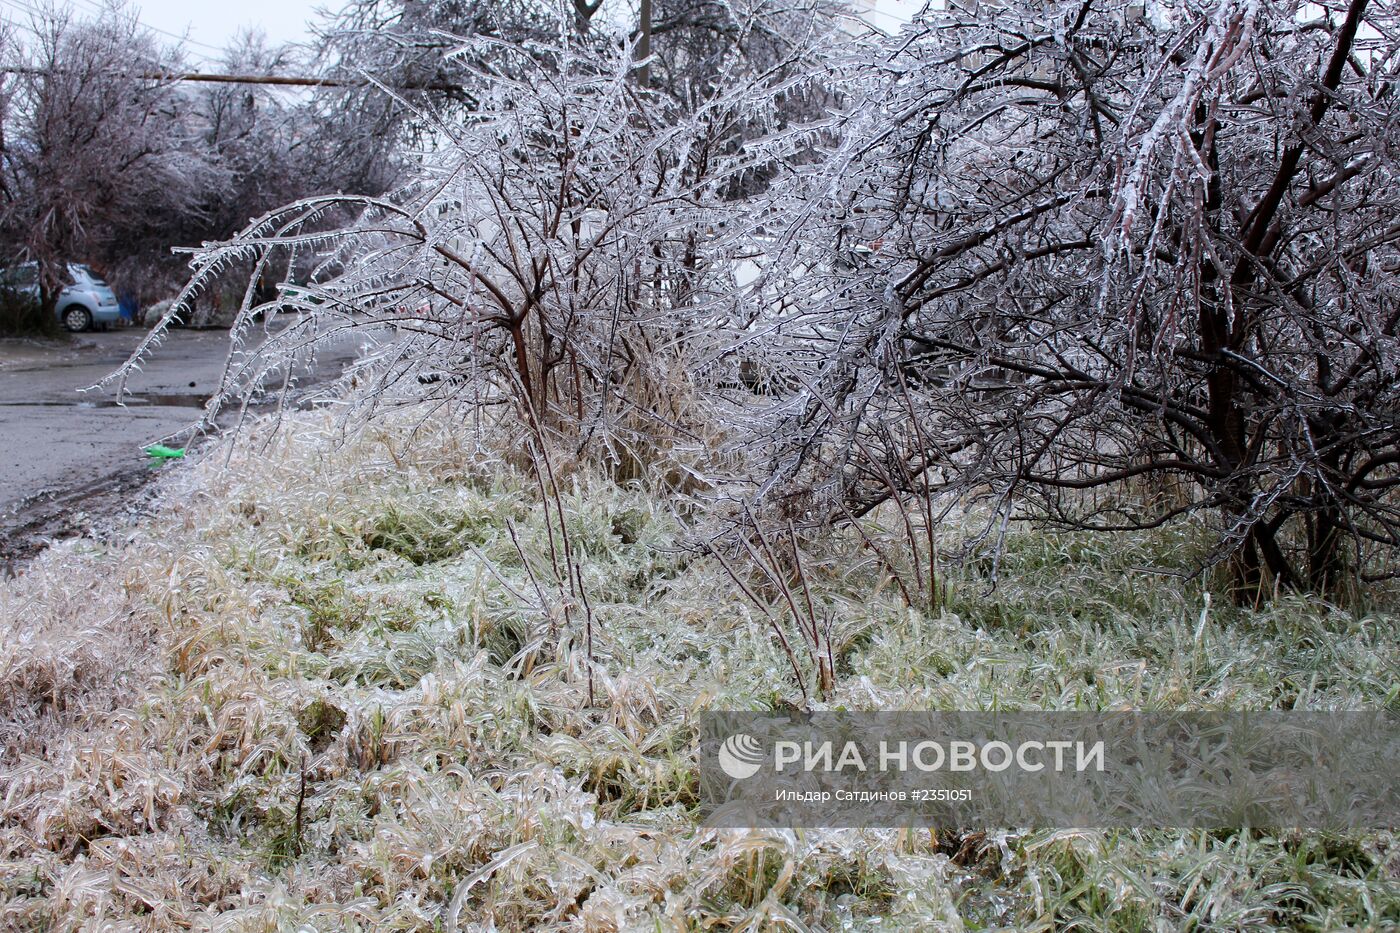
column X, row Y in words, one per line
column 99, row 146
column 1106, row 264
column 564, row 251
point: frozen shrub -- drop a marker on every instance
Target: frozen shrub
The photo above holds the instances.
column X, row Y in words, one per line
column 564, row 254
column 1105, row 266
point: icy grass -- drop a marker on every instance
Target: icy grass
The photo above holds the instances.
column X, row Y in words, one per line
column 324, row 691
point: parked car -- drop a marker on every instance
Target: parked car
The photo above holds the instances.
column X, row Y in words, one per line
column 86, row 301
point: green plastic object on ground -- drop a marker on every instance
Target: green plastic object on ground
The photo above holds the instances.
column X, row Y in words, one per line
column 161, row 453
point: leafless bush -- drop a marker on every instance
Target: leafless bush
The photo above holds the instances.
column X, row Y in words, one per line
column 1066, row 246
column 565, row 255
column 782, row 593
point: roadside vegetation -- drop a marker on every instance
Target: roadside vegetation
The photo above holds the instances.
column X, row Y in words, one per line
column 1027, row 359
column 333, row 688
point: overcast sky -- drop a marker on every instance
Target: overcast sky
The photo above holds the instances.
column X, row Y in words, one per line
column 210, row 24
column 214, row 23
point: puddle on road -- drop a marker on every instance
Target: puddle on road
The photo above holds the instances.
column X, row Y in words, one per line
column 171, row 400
column 158, row 400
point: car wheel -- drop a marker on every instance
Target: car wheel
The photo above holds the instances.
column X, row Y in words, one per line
column 76, row 319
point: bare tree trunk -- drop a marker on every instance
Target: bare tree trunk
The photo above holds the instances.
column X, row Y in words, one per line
column 1326, row 563
column 1260, row 235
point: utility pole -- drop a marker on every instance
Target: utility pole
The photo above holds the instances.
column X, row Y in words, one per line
column 643, row 48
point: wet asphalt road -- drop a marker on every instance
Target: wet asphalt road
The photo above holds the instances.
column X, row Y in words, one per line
column 67, row 455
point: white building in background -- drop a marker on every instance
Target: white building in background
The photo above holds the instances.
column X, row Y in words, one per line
column 889, row 15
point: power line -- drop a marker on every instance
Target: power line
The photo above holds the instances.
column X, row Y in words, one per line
column 211, row 78
column 94, row 8
column 28, row 27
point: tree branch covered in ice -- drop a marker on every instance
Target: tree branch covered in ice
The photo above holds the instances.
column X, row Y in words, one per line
column 1070, row 248
column 564, row 253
